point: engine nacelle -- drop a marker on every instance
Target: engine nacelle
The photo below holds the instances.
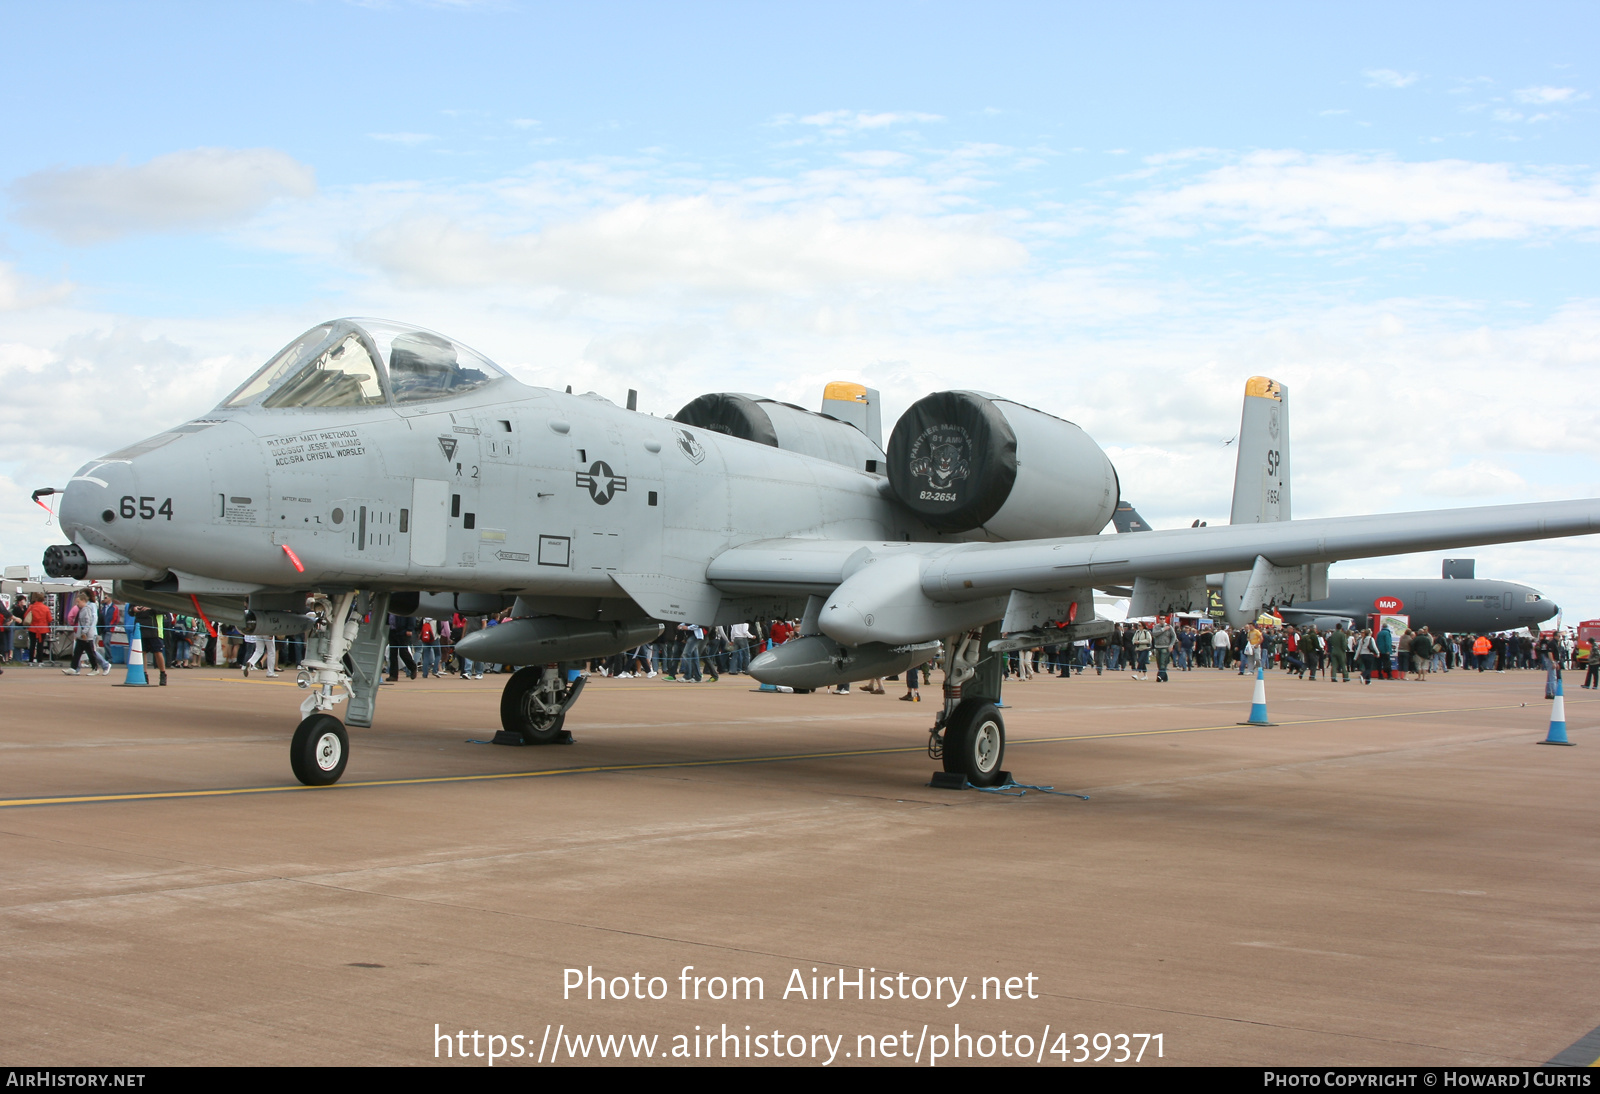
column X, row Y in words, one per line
column 963, row 460
column 785, row 426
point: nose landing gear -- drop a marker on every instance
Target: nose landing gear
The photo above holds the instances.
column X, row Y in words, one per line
column 321, row 747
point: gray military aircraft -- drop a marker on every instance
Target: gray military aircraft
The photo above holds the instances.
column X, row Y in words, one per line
column 1462, row 605
column 373, row 467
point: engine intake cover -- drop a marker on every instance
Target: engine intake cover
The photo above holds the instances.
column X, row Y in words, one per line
column 963, row 460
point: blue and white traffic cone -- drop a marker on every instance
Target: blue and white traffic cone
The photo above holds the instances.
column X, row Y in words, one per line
column 1258, row 701
column 136, row 677
column 1558, row 720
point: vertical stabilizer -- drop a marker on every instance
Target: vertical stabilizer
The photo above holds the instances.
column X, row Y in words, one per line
column 856, row 404
column 1261, row 478
column 1127, row 519
column 1261, row 496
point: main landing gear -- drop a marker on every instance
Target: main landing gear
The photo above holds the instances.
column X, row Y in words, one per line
column 973, row 742
column 321, row 747
column 534, row 706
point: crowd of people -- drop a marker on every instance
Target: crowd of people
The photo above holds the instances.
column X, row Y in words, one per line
column 692, row 653
column 1307, row 652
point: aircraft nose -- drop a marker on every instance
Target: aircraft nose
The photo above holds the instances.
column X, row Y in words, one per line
column 91, row 504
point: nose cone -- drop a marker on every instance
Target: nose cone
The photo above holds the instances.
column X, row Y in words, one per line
column 91, row 508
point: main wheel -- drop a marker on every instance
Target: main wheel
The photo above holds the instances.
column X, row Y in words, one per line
column 320, row 750
column 520, row 711
column 975, row 742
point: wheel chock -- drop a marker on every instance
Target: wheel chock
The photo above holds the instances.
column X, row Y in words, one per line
column 954, row 780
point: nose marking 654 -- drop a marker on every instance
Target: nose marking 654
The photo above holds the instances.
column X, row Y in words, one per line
column 144, row 508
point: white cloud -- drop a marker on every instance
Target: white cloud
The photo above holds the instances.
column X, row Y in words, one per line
column 1548, row 95
column 1388, row 77
column 861, row 119
column 1477, row 478
column 1299, row 197
column 695, row 244
column 403, row 138
column 18, row 292
column 877, row 158
column 181, row 191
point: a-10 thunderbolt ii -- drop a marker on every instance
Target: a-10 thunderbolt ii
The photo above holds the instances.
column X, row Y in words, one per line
column 372, row 467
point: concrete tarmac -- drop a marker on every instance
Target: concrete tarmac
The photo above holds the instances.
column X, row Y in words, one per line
column 1395, row 874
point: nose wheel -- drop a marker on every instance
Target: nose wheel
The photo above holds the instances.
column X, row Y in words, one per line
column 320, row 750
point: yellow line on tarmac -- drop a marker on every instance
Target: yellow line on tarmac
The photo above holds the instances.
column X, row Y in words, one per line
column 667, row 765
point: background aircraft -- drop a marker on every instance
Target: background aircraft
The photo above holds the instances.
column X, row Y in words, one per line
column 377, row 467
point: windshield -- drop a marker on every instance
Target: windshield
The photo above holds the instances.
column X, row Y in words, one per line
column 342, row 375
column 277, row 368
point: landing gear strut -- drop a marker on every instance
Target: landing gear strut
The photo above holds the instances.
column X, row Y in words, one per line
column 973, row 742
column 321, row 747
column 534, row 706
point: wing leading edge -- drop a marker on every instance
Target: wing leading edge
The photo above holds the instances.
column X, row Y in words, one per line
column 912, row 592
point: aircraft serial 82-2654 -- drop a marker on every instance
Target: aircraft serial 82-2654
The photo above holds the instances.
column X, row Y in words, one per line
column 372, row 467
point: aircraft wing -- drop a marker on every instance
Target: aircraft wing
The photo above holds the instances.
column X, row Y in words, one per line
column 911, row 592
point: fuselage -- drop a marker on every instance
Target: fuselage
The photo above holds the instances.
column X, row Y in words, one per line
column 378, row 455
column 510, row 489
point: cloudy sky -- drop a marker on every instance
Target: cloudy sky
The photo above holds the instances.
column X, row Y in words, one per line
column 1117, row 216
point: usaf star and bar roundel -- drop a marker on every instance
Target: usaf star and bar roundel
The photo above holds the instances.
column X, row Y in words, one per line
column 601, row 483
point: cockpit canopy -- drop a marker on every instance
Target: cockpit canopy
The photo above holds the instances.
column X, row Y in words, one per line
column 366, row 362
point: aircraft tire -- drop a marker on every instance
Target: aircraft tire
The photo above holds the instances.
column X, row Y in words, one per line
column 517, row 713
column 320, row 749
column 975, row 742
